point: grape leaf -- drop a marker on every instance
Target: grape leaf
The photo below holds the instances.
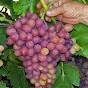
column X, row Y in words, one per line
column 2, row 36
column 17, row 76
column 33, row 5
column 9, row 4
column 3, row 85
column 70, row 77
column 81, row 36
column 3, row 72
column 21, row 7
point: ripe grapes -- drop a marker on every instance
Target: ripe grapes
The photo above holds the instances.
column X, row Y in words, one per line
column 40, row 47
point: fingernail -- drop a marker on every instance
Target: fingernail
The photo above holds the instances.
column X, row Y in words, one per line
column 48, row 12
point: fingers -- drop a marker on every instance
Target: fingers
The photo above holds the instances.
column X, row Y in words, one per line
column 55, row 11
column 67, row 20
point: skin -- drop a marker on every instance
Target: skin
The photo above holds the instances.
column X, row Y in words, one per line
column 70, row 12
column 56, row 4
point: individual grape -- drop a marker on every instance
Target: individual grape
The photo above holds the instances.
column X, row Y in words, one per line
column 35, row 58
column 29, row 62
column 34, row 32
column 22, row 35
column 28, row 15
column 1, row 63
column 43, row 77
column 1, row 48
column 68, row 46
column 31, row 23
column 29, row 44
column 67, row 54
column 31, row 52
column 36, row 77
column 64, row 50
column 26, row 28
column 30, row 76
column 9, row 41
column 42, row 82
column 50, row 66
column 20, row 43
column 62, row 57
column 17, row 24
column 45, row 70
column 42, row 57
column 19, row 30
column 22, row 58
column 29, row 37
column 52, row 34
column 67, row 42
column 61, row 40
column 51, row 28
column 33, row 81
column 58, row 25
column 59, row 46
column 49, row 81
column 61, row 34
column 50, row 46
column 17, row 52
column 35, row 65
column 27, row 57
column 67, row 36
column 40, row 67
column 15, row 36
column 36, row 73
column 34, row 16
column 46, row 36
column 44, row 44
column 49, row 59
column 44, row 51
column 39, row 22
column 44, row 26
column 37, row 85
column 54, row 52
column 23, row 20
column 85, row 65
column 55, row 39
column 86, row 82
column 15, row 46
column 44, row 63
column 37, row 48
column 10, row 30
column 36, row 39
column 72, row 50
column 68, row 27
column 52, row 71
column 23, row 50
column 25, row 63
column 29, row 68
column 41, row 31
column 49, row 76
column 54, row 62
column 71, row 42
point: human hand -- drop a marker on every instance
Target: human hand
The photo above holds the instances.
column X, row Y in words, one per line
column 70, row 12
column 56, row 4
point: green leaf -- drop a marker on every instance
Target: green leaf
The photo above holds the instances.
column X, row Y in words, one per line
column 14, row 58
column 3, row 72
column 3, row 85
column 17, row 76
column 6, row 54
column 81, row 36
column 21, row 7
column 2, row 36
column 70, row 77
column 33, row 5
column 9, row 4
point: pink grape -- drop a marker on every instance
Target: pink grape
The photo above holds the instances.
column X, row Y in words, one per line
column 34, row 16
column 27, row 57
column 17, row 52
column 15, row 36
column 29, row 37
column 9, row 41
column 29, row 62
column 31, row 52
column 23, row 20
column 41, row 31
column 35, row 58
column 29, row 44
column 35, row 65
column 28, row 15
column 15, row 46
column 17, row 24
column 37, row 48
column 20, row 43
column 39, row 22
column 54, row 52
column 59, row 46
column 46, row 36
column 44, row 64
column 26, row 28
column 51, row 28
column 10, row 30
column 44, row 44
column 36, row 39
column 34, row 32
column 50, row 46
column 44, row 26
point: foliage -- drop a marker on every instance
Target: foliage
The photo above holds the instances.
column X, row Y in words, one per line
column 3, row 85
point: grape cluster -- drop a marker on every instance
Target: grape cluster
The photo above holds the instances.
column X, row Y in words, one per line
column 40, row 47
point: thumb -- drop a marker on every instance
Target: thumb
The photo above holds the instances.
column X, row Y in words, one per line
column 56, row 11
